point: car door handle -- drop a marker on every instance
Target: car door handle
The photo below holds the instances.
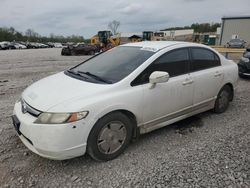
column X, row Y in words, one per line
column 188, row 81
column 217, row 74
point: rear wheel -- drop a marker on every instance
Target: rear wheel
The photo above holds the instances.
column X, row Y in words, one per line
column 91, row 53
column 223, row 99
column 109, row 136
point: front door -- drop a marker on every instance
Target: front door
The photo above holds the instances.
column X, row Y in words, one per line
column 172, row 98
column 167, row 100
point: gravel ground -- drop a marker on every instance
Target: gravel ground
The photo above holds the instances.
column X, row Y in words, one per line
column 207, row 150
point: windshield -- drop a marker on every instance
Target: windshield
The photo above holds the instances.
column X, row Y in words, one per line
column 113, row 65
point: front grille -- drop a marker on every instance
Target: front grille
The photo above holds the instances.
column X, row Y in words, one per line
column 26, row 108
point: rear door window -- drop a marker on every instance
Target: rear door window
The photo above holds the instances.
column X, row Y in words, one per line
column 203, row 59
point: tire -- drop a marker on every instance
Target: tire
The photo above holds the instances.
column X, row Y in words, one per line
column 109, row 137
column 72, row 53
column 91, row 53
column 223, row 99
column 241, row 75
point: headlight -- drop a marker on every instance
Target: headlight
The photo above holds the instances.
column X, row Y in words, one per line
column 57, row 118
column 245, row 59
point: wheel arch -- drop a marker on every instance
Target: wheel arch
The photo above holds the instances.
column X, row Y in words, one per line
column 230, row 85
column 132, row 118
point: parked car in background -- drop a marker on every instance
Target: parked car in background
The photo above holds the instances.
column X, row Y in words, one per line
column 236, row 43
column 80, row 49
column 41, row 45
column 31, row 45
column 19, row 45
column 99, row 105
column 50, row 45
column 23, row 43
column 244, row 64
column 12, row 46
column 58, row 45
column 4, row 45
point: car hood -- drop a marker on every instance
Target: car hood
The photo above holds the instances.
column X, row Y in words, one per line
column 58, row 88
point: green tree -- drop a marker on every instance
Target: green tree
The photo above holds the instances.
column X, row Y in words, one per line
column 199, row 28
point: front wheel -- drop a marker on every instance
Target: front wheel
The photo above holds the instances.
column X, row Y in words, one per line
column 109, row 137
column 223, row 99
column 91, row 53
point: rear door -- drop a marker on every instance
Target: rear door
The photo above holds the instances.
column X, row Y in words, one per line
column 207, row 74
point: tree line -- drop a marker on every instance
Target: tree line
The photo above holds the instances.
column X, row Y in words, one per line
column 11, row 34
column 198, row 28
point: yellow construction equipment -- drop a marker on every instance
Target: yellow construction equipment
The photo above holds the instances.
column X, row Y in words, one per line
column 105, row 40
column 94, row 40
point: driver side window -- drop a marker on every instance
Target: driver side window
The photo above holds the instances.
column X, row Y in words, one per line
column 175, row 62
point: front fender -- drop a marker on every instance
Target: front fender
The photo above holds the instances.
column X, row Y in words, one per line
column 118, row 107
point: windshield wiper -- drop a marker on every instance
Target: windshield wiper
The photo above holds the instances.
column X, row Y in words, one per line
column 95, row 76
column 76, row 73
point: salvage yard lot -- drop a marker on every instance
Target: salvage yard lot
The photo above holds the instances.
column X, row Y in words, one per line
column 205, row 150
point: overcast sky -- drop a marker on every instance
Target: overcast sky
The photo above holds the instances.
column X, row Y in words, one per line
column 86, row 17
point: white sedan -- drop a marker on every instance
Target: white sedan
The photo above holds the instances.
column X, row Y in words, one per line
column 19, row 46
column 99, row 105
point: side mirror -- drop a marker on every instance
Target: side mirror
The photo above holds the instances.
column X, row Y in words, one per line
column 158, row 77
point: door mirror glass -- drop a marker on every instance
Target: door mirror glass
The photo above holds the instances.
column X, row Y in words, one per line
column 158, row 77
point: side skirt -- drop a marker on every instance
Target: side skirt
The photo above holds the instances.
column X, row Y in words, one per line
column 176, row 116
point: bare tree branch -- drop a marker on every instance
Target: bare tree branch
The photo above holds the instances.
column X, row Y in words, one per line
column 113, row 26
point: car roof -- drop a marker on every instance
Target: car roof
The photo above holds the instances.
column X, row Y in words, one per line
column 156, row 45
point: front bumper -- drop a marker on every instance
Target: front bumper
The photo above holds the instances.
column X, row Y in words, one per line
column 244, row 69
column 58, row 142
